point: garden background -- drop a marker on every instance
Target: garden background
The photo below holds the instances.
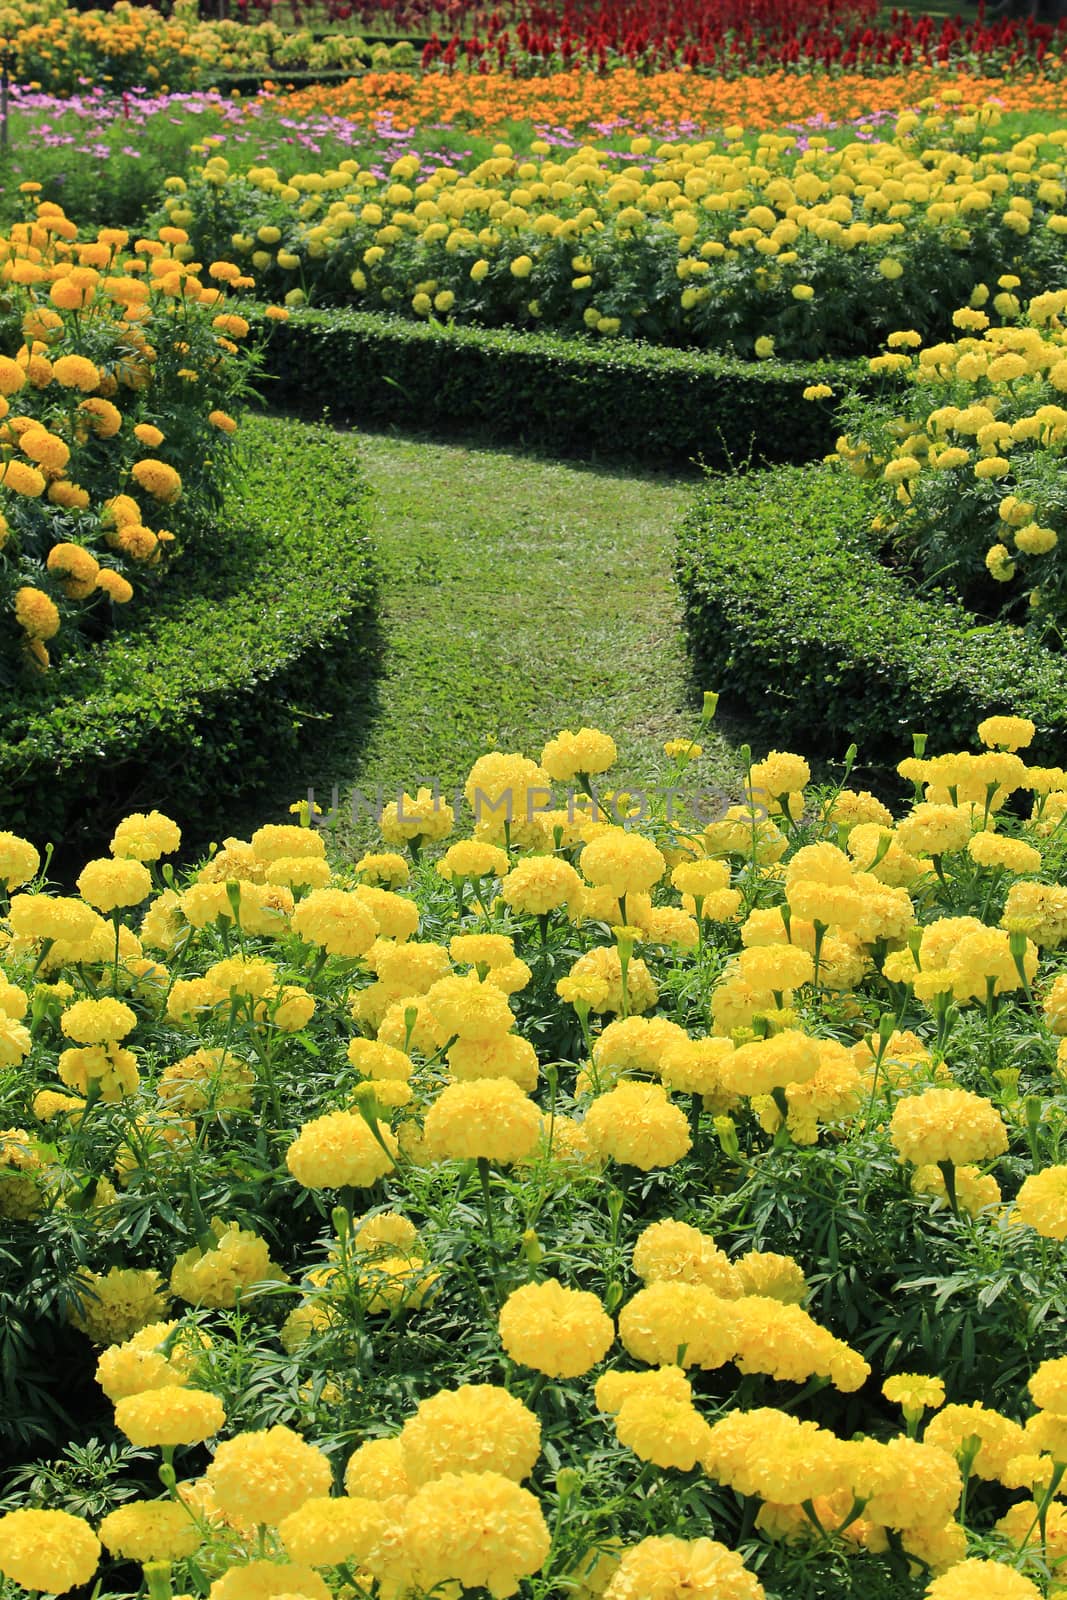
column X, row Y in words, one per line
column 533, row 1018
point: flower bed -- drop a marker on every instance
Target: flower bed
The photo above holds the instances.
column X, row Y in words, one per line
column 117, row 365
column 633, row 1211
column 964, row 466
column 807, row 255
column 63, row 50
column 692, row 104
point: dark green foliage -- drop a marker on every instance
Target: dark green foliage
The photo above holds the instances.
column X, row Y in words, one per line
column 789, row 611
column 575, row 396
column 201, row 694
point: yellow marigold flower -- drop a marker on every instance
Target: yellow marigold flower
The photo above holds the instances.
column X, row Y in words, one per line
column 476, row 1428
column 475, row 1528
column 35, row 612
column 774, row 1277
column 907, row 1484
column 376, row 1060
column 540, row 884
column 147, row 434
column 12, row 376
column 138, row 1363
column 469, row 1009
column 75, row 567
column 613, row 1389
column 48, row 1551
column 1048, row 1386
column 76, row 372
column 336, row 920
column 218, row 1276
column 385, row 868
column 1041, row 1203
column 265, row 1476
column 976, row 1579
column 386, row 1231
column 293, row 1009
column 624, row 862
column 150, row 1530
column 582, row 754
column 489, row 1118
column 947, row 1125
column 327, row 1531
column 506, row 1056
column 112, row 1070
column 269, row 1580
column 161, row 481
column 636, row 1044
column 596, row 978
column 111, row 884
column 675, row 1252
column 559, row 1331
column 914, row 1392
column 426, row 817
column 223, row 421
column 19, row 861
column 683, row 750
column 115, row 1304
column 762, row 1065
column 998, row 559
column 376, row 1471
column 1007, row 733
column 117, row 588
column 637, row 1125
column 674, row 1322
column 23, row 480
column 337, row 1150
column 1008, row 855
column 98, row 1021
column 999, row 1439
column 15, row 1041
column 669, row 1433
column 771, row 1454
column 145, row 837
column 671, row 1567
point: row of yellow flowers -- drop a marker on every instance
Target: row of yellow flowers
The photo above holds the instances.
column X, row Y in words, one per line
column 803, row 252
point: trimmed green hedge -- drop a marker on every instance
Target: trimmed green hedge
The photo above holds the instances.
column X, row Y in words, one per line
column 790, row 612
column 201, row 696
column 573, row 397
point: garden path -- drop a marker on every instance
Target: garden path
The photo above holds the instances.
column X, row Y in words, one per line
column 522, row 595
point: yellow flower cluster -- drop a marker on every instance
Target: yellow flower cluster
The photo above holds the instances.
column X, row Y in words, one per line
column 386, row 1026
column 82, row 484
column 131, row 46
column 767, row 249
column 966, row 465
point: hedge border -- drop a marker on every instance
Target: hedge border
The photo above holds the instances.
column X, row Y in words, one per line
column 572, row 396
column 790, row 612
column 198, row 699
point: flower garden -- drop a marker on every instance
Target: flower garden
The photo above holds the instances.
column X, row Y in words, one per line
column 628, row 1158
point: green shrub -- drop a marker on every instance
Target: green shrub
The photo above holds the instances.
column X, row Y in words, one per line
column 569, row 395
column 789, row 611
column 198, row 696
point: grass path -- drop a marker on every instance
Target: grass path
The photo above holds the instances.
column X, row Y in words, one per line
column 521, row 596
